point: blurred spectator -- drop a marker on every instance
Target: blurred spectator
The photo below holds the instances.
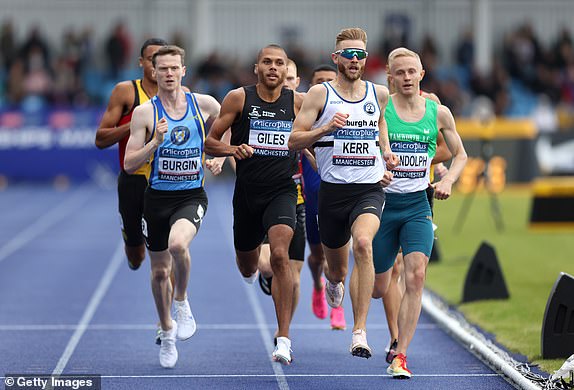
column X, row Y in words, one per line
column 15, row 91
column 544, row 115
column 465, row 50
column 37, row 80
column 495, row 86
column 35, row 51
column 395, row 32
column 178, row 39
column 563, row 49
column 7, row 44
column 522, row 54
column 452, row 96
column 118, row 49
column 211, row 77
column 68, row 73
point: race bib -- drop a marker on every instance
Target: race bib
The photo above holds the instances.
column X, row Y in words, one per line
column 179, row 164
column 355, row 147
column 413, row 159
column 269, row 137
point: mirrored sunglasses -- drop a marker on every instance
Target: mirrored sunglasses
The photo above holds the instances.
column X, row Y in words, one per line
column 350, row 53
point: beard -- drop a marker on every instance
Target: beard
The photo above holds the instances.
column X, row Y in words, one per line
column 271, row 83
column 351, row 76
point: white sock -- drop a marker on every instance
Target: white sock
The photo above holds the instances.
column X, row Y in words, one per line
column 251, row 279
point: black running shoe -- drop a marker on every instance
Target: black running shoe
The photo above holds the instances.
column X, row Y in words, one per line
column 265, row 284
column 391, row 353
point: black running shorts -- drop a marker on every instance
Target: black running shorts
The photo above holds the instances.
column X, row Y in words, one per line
column 341, row 204
column 256, row 208
column 297, row 246
column 131, row 189
column 163, row 208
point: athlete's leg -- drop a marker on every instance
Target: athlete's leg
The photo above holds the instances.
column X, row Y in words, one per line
column 264, row 263
column 282, row 287
column 247, row 262
column 180, row 236
column 363, row 230
column 296, row 267
column 135, row 255
column 337, row 260
column 161, row 264
column 415, row 272
column 393, row 296
column 316, row 261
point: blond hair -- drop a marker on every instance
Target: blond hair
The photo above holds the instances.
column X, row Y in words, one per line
column 402, row 52
column 351, row 34
column 291, row 64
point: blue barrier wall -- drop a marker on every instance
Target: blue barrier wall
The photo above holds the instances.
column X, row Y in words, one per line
column 44, row 144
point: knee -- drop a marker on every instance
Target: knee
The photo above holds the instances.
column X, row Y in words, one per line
column 363, row 247
column 160, row 274
column 177, row 249
column 279, row 257
column 416, row 279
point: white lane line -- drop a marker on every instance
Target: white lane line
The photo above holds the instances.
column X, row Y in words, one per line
column 109, row 274
column 264, row 332
column 41, row 224
column 183, row 376
column 476, row 346
column 230, row 327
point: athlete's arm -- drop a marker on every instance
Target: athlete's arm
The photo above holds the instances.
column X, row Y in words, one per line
column 209, row 108
column 311, row 158
column 447, row 126
column 442, row 152
column 390, row 158
column 137, row 151
column 121, row 99
column 298, row 101
column 302, row 136
column 230, row 109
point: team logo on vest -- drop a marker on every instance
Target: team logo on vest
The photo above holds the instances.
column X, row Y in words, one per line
column 179, row 135
column 254, row 113
column 369, row 108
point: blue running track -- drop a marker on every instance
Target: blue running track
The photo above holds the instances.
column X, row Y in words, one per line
column 70, row 305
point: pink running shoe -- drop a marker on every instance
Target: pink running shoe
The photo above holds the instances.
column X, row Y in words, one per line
column 319, row 302
column 338, row 319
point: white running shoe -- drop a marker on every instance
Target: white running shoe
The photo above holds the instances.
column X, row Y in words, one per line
column 359, row 346
column 251, row 279
column 167, row 350
column 282, row 352
column 186, row 325
column 334, row 293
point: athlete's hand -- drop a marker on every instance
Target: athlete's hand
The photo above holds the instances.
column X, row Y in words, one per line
column 387, row 178
column 242, row 151
column 160, row 130
column 215, row 165
column 391, row 159
column 337, row 122
column 442, row 189
column 440, row 171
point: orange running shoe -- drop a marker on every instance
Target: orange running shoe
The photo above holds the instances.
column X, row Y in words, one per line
column 398, row 368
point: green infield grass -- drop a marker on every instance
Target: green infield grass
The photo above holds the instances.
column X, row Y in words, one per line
column 530, row 260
